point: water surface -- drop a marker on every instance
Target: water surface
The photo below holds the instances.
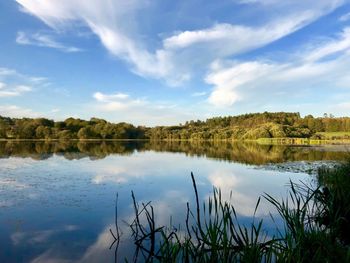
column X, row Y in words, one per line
column 57, row 199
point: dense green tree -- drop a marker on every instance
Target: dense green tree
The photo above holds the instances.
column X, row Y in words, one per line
column 4, row 127
column 26, row 131
column 248, row 126
column 65, row 135
column 60, row 125
column 87, row 133
column 43, row 132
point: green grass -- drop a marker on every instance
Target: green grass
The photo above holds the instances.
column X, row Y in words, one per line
column 316, row 227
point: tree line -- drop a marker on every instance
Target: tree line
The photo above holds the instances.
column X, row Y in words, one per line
column 71, row 128
column 253, row 126
column 243, row 127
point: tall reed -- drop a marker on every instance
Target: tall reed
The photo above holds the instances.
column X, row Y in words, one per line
column 315, row 219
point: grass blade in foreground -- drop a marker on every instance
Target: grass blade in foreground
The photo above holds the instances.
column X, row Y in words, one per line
column 316, row 227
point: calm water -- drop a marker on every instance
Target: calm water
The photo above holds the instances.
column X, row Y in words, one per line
column 57, row 200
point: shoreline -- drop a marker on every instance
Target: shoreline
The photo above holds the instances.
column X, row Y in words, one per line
column 261, row 141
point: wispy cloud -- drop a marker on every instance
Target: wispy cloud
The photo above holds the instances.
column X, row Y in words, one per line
column 110, row 97
column 15, row 111
column 43, row 40
column 226, row 79
column 15, row 88
column 116, row 101
column 121, row 107
column 55, row 110
column 331, row 47
column 7, row 72
column 244, row 37
column 179, row 54
column 319, row 67
column 199, row 94
column 13, row 91
column 14, row 83
column 345, row 17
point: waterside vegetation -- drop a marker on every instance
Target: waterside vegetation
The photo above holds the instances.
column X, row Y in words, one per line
column 267, row 127
column 316, row 227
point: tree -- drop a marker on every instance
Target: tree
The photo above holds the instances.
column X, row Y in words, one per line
column 65, row 135
column 87, row 133
column 43, row 132
column 4, row 126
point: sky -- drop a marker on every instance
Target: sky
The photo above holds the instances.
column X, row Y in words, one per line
column 162, row 62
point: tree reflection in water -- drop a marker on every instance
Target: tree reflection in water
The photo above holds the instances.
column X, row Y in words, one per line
column 241, row 152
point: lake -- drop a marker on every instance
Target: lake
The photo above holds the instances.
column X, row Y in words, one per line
column 57, row 200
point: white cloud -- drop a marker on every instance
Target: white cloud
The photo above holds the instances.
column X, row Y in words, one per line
column 55, row 110
column 121, row 107
column 258, row 80
column 14, row 111
column 227, row 79
column 341, row 44
column 345, row 17
column 178, row 55
column 22, row 88
column 199, row 94
column 15, row 86
column 42, row 40
column 242, row 38
column 38, row 79
column 8, row 94
column 116, row 101
column 104, row 97
column 13, row 91
column 8, row 75
column 107, row 20
column 7, row 72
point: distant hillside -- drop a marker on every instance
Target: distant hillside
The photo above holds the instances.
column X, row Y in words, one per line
column 254, row 126
column 243, row 127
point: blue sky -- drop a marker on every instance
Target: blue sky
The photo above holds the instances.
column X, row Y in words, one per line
column 157, row 62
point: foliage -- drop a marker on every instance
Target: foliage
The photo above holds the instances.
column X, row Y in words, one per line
column 252, row 126
column 71, row 128
column 243, row 127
